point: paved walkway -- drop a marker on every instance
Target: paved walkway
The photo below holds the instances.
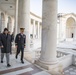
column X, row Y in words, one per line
column 71, row 70
column 17, row 68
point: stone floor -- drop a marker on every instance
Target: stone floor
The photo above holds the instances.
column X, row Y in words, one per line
column 17, row 68
column 71, row 70
column 30, row 69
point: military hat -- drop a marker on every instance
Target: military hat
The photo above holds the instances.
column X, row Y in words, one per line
column 22, row 28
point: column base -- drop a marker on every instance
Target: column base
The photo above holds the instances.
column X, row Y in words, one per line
column 55, row 68
column 45, row 65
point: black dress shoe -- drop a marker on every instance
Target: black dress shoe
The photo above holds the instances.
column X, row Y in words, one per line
column 8, row 65
column 22, row 61
column 1, row 61
column 16, row 57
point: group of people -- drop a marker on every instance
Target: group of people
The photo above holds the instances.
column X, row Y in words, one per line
column 6, row 40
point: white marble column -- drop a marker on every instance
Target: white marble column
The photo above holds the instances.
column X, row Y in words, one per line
column 38, row 30
column 24, row 19
column 13, row 22
column 0, row 22
column 3, row 18
column 11, row 25
column 2, row 25
column 16, row 17
column 6, row 20
column 34, row 30
column 49, row 32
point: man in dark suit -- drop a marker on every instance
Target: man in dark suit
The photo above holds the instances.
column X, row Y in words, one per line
column 20, row 42
column 5, row 45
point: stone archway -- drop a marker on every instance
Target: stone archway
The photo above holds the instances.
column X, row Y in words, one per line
column 70, row 27
column 2, row 22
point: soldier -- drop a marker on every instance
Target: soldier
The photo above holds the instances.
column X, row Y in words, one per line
column 20, row 41
column 5, row 45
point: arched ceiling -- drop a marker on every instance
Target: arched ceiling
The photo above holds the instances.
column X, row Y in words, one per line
column 8, row 6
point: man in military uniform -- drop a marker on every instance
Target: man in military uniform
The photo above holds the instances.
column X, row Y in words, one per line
column 20, row 41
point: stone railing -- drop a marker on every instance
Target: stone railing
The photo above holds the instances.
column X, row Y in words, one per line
column 31, row 43
column 66, row 60
column 37, row 54
column 63, row 62
column 61, row 54
column 74, row 59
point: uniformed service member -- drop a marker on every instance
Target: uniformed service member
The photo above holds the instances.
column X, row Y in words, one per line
column 20, row 42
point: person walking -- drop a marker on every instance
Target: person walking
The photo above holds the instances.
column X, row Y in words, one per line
column 20, row 42
column 12, row 39
column 5, row 45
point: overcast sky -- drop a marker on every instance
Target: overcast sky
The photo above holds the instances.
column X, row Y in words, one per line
column 64, row 6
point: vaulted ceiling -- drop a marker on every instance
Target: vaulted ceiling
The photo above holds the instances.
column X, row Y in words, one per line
column 8, row 6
